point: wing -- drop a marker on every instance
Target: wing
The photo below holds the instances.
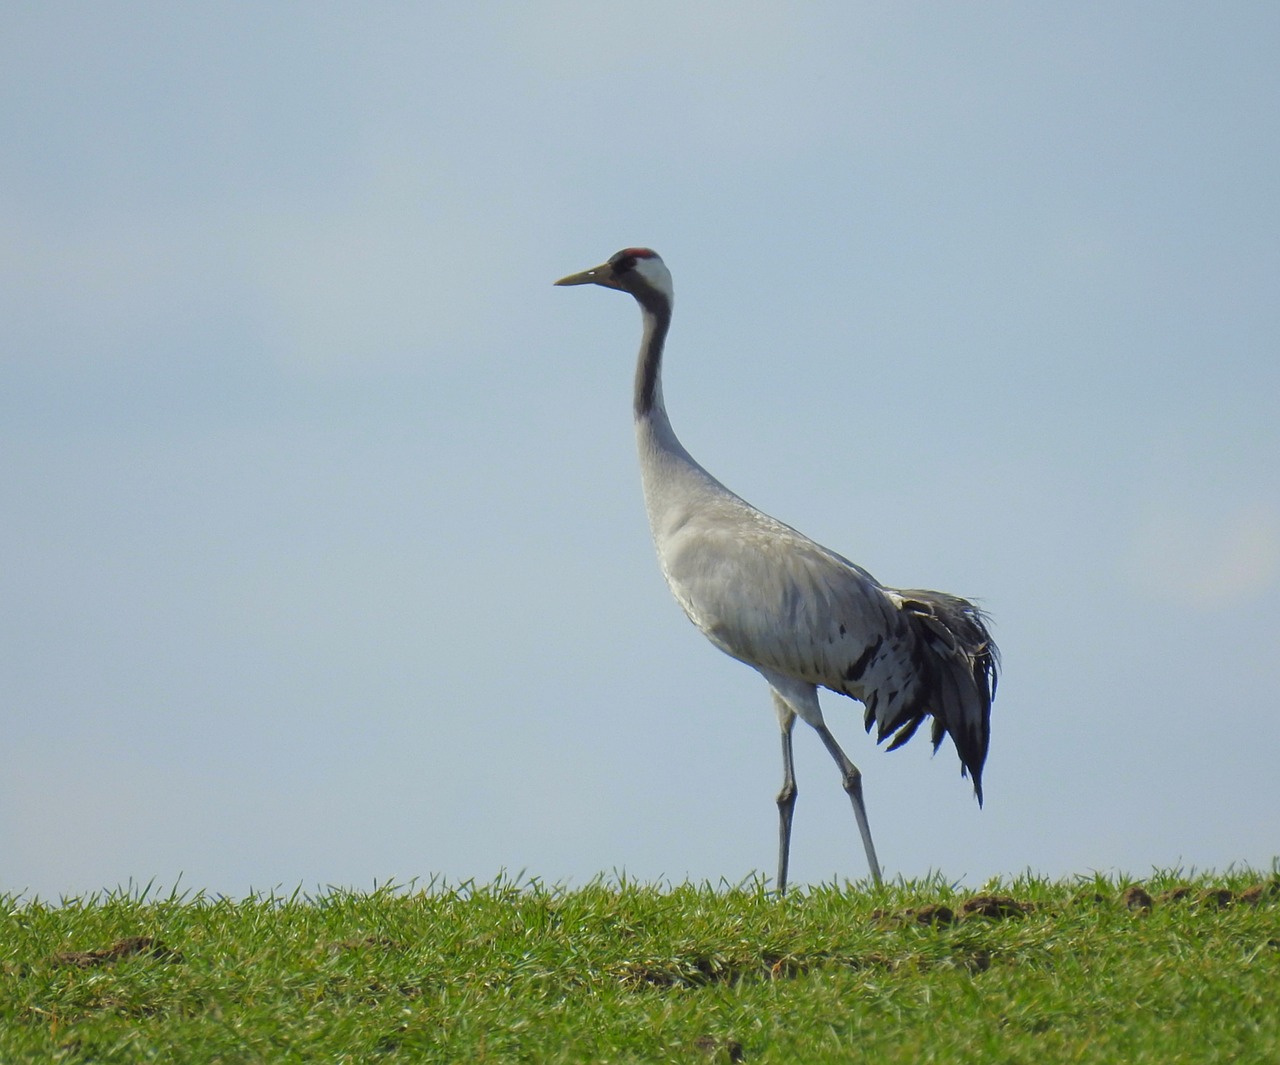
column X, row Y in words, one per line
column 771, row 597
column 942, row 664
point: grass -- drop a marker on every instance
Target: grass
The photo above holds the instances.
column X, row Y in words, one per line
column 1180, row 969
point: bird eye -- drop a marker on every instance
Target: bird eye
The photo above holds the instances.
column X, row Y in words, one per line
column 627, row 262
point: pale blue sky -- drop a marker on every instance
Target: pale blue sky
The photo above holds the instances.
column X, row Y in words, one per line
column 323, row 553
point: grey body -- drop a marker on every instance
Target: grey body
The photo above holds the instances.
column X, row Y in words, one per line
column 800, row 614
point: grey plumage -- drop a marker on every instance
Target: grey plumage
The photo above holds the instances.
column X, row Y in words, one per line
column 800, row 614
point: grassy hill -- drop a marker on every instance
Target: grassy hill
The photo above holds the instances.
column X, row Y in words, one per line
column 1177, row 969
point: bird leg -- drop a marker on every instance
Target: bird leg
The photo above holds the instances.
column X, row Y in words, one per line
column 786, row 804
column 851, row 780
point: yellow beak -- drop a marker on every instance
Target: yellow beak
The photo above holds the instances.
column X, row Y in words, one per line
column 597, row 275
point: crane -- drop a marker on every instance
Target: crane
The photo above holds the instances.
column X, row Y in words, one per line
column 803, row 616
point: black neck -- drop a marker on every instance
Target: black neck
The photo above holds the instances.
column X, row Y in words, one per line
column 657, row 320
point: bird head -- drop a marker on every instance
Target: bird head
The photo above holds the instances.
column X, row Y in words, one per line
column 639, row 271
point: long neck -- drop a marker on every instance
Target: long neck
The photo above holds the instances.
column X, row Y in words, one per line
column 675, row 484
column 657, row 320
